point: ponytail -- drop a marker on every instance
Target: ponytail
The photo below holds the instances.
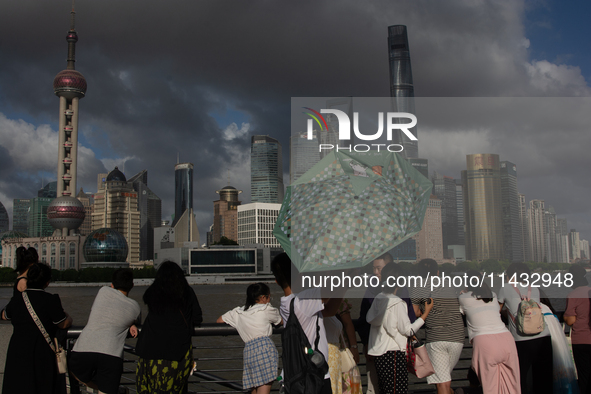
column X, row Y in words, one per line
column 253, row 292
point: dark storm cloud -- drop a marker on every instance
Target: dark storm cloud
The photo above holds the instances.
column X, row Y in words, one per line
column 156, row 70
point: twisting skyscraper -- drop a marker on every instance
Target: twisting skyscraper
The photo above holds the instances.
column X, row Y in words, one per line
column 401, row 84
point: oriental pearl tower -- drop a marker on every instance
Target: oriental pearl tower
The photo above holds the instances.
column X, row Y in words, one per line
column 66, row 213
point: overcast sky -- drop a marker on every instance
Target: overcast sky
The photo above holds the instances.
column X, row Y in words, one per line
column 196, row 79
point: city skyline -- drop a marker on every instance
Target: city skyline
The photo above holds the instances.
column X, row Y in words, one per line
column 204, row 107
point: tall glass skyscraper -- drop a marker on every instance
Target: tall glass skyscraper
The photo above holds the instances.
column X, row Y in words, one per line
column 4, row 223
column 183, row 189
column 266, row 170
column 304, row 153
column 511, row 226
column 444, row 187
column 401, row 85
column 482, row 207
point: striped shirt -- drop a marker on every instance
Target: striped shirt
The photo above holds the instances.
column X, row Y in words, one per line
column 444, row 322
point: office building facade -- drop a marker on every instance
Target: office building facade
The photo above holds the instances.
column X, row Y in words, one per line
column 429, row 241
column 225, row 214
column 116, row 208
column 460, row 211
column 150, row 208
column 444, row 188
column 4, row 222
column 483, row 207
column 256, row 222
column 20, row 214
column 537, row 244
column 304, row 153
column 266, row 170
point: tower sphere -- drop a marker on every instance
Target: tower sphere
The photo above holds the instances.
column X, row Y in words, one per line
column 70, row 84
column 65, row 212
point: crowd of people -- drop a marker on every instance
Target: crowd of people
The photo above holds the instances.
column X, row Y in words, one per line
column 503, row 354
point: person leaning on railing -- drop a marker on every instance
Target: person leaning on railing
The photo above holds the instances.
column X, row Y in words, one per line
column 164, row 344
column 30, row 361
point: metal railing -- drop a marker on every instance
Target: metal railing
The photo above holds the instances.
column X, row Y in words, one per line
column 219, row 367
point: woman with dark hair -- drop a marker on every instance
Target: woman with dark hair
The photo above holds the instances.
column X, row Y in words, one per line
column 577, row 315
column 30, row 361
column 164, row 344
column 254, row 321
column 535, row 351
column 494, row 358
column 24, row 259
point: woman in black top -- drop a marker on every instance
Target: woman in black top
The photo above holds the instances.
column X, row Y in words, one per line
column 164, row 343
column 31, row 367
column 24, row 259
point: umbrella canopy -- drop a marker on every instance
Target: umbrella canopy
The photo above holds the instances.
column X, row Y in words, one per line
column 351, row 208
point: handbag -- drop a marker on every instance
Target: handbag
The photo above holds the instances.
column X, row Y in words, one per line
column 563, row 367
column 60, row 353
column 417, row 358
column 347, row 359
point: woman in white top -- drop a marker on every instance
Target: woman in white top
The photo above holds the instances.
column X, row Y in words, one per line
column 494, row 358
column 390, row 329
column 253, row 321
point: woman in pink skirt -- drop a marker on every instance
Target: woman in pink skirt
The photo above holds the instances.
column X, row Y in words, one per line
column 494, row 358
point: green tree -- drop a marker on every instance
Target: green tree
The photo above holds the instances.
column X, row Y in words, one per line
column 448, row 268
column 466, row 266
column 491, row 265
column 225, row 241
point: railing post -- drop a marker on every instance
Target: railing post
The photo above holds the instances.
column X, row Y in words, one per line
column 74, row 384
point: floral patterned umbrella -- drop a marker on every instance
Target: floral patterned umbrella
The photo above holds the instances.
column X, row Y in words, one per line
column 350, row 208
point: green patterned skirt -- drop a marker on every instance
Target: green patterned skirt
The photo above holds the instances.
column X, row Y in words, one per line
column 164, row 376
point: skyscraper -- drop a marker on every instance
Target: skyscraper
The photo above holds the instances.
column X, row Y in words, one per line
column 39, row 225
column 225, row 214
column 88, row 202
column 20, row 214
column 4, row 223
column 574, row 247
column 429, row 241
column 523, row 224
column 482, row 207
column 401, row 85
column 48, row 191
column 183, row 190
column 510, row 205
column 444, row 188
column 116, row 208
column 150, row 207
column 266, row 170
column 550, row 238
column 537, row 244
column 304, row 153
column 460, row 207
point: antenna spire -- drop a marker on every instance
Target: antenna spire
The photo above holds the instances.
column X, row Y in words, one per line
column 73, row 15
column 72, row 38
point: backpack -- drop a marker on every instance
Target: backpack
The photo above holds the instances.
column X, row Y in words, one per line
column 529, row 319
column 300, row 374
